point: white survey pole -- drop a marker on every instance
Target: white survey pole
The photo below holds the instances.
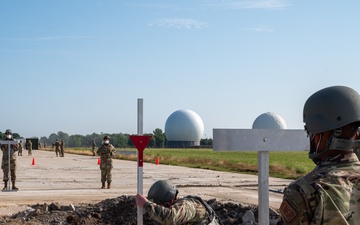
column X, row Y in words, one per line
column 140, row 168
column 140, row 141
column 263, row 190
column 140, row 120
column 9, row 143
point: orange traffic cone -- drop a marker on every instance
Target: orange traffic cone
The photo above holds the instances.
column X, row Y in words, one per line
column 157, row 161
column 33, row 162
column 98, row 161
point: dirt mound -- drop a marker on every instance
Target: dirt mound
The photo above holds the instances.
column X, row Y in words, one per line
column 121, row 211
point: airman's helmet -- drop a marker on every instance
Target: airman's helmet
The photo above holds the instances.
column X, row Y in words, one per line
column 106, row 137
column 331, row 108
column 162, row 191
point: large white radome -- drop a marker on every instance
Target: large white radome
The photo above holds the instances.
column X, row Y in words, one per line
column 184, row 125
column 269, row 120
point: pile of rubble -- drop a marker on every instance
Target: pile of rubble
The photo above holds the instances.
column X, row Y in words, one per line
column 122, row 211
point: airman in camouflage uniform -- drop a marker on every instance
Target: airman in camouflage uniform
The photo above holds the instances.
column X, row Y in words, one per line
column 5, row 160
column 20, row 148
column 106, row 151
column 57, row 147
column 29, row 147
column 62, row 144
column 93, row 148
column 166, row 208
column 330, row 194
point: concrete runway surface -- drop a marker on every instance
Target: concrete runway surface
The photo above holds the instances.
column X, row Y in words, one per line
column 75, row 179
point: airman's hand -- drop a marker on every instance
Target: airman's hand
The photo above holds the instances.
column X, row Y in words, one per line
column 141, row 200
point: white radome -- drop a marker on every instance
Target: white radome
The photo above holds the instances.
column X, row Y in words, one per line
column 269, row 120
column 184, row 125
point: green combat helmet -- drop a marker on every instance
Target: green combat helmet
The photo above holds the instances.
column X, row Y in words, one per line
column 8, row 131
column 162, row 191
column 330, row 109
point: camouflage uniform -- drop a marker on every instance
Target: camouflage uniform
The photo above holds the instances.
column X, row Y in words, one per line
column 20, row 148
column 330, row 194
column 29, row 147
column 93, row 148
column 62, row 148
column 5, row 162
column 57, row 148
column 186, row 210
column 106, row 152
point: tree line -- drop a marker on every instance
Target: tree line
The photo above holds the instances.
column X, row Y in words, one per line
column 119, row 140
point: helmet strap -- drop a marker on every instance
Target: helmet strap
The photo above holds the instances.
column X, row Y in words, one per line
column 314, row 155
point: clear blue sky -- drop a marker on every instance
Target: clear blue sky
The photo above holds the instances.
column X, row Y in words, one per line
column 80, row 66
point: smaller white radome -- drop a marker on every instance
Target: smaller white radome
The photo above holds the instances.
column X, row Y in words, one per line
column 184, row 125
column 269, row 120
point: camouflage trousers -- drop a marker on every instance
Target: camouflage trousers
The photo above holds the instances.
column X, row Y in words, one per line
column 5, row 168
column 106, row 174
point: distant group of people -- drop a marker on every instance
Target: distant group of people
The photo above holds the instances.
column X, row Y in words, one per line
column 42, row 147
column 28, row 146
column 59, row 148
column 328, row 195
column 106, row 152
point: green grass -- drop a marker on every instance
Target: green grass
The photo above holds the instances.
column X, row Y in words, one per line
column 289, row 165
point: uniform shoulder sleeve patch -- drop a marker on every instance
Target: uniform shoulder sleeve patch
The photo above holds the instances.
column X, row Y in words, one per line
column 288, row 213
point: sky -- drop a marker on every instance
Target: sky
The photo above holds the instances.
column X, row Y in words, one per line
column 80, row 66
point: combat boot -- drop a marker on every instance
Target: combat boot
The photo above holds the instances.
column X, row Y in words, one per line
column 103, row 185
column 14, row 187
column 5, row 186
column 109, row 185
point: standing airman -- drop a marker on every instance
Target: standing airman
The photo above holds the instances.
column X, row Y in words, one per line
column 29, row 147
column 106, row 152
column 93, row 148
column 20, row 148
column 5, row 160
column 57, row 148
column 62, row 143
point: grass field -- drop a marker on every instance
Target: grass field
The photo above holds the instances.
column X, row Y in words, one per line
column 289, row 165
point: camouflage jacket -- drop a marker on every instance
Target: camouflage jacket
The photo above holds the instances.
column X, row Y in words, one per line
column 57, row 145
column 5, row 150
column 184, row 211
column 329, row 195
column 29, row 145
column 106, row 151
